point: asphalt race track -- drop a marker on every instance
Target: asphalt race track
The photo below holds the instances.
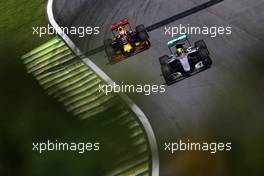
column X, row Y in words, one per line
column 208, row 105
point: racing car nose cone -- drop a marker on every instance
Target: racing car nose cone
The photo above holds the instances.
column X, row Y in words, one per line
column 185, row 64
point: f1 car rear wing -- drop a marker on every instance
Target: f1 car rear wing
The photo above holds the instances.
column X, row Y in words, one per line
column 181, row 38
column 121, row 23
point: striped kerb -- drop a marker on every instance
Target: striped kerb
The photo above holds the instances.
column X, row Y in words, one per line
column 76, row 85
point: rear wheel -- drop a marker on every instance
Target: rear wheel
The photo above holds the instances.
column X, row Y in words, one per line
column 209, row 61
column 166, row 72
column 147, row 44
column 163, row 60
column 202, row 49
column 109, row 50
column 142, row 32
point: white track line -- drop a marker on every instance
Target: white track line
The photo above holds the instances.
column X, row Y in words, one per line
column 144, row 120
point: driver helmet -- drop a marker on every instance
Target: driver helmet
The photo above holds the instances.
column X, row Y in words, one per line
column 121, row 30
column 179, row 50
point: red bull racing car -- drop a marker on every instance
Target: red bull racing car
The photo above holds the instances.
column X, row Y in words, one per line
column 126, row 42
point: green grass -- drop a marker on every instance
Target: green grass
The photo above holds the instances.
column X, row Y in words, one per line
column 17, row 19
column 29, row 115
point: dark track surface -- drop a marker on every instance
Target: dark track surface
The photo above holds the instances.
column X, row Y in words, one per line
column 224, row 102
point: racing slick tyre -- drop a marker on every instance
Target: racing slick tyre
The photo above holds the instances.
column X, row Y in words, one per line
column 166, row 72
column 147, row 44
column 202, row 49
column 142, row 32
column 209, row 61
column 163, row 60
column 109, row 50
